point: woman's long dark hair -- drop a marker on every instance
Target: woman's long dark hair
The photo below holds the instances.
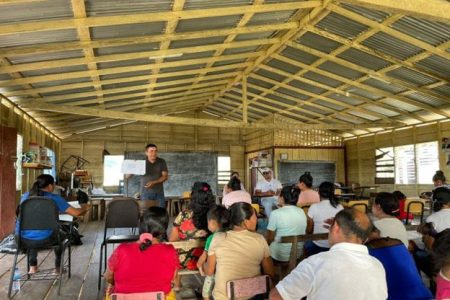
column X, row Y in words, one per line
column 42, row 181
column 234, row 184
column 239, row 212
column 326, row 191
column 290, row 194
column 202, row 199
column 155, row 222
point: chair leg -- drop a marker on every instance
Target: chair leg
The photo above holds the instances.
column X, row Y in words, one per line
column 100, row 266
column 12, row 274
column 69, row 268
column 61, row 269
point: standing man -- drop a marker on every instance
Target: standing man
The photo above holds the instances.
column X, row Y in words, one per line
column 268, row 189
column 347, row 271
column 156, row 173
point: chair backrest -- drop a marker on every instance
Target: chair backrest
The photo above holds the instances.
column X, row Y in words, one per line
column 38, row 213
column 139, row 296
column 416, row 207
column 122, row 214
column 248, row 287
column 187, row 194
column 256, row 207
column 361, row 205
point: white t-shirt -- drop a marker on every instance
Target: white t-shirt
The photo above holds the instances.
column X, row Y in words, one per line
column 440, row 219
column 320, row 212
column 393, row 228
column 265, row 186
column 345, row 272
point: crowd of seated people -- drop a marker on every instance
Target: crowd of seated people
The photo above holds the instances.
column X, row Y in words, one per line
column 366, row 256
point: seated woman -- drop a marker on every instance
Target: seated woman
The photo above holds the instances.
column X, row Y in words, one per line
column 307, row 196
column 385, row 208
column 285, row 221
column 44, row 186
column 236, row 194
column 401, row 198
column 238, row 253
column 403, row 280
column 147, row 265
column 326, row 209
column 227, row 189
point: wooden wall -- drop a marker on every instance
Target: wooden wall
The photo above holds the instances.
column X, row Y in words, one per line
column 32, row 131
column 134, row 137
column 361, row 154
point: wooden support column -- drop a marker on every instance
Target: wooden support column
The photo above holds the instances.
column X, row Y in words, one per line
column 244, row 99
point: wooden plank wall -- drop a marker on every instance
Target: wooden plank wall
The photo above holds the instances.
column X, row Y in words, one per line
column 361, row 154
column 134, row 137
column 31, row 131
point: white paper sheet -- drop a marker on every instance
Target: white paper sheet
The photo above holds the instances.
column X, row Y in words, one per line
column 135, row 167
column 74, row 204
column 65, row 218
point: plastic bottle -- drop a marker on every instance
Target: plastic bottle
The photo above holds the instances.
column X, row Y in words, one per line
column 16, row 280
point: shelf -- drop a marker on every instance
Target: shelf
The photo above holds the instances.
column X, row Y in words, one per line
column 37, row 166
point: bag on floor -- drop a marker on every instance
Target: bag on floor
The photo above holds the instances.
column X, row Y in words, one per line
column 8, row 245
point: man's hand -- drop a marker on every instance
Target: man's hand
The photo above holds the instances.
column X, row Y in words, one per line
column 149, row 184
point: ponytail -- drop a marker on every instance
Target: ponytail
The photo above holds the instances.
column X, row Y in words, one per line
column 42, row 181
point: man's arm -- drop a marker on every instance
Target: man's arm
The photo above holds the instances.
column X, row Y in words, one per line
column 164, row 177
column 76, row 212
column 268, row 193
column 296, row 284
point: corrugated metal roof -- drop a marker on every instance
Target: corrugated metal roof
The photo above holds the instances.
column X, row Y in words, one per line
column 402, row 105
column 341, row 26
column 228, row 62
column 280, row 99
column 126, row 49
column 187, row 56
column 127, row 30
column 240, row 50
column 363, row 93
column 197, row 42
column 347, row 100
column 266, row 109
column 292, row 93
column 434, row 33
column 254, row 36
column 329, row 105
column 307, row 87
column 426, row 99
column 34, row 38
column 382, row 85
column 340, row 70
column 270, row 17
column 182, row 68
column 411, row 76
column 124, row 84
column 35, row 10
column 299, row 55
column 364, row 59
column 125, row 74
column 315, row 109
column 60, row 82
column 322, row 79
column 381, row 110
column 363, row 115
column 283, row 66
column 443, row 90
column 123, row 63
column 259, row 83
column 208, row 23
column 271, row 104
column 45, row 56
column 202, row 4
column 390, row 45
column 68, row 92
column 166, row 79
column 437, row 65
column 271, row 75
column 120, row 7
column 55, row 70
column 318, row 42
column 372, row 14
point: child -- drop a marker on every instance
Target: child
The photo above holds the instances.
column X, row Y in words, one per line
column 441, row 255
column 218, row 217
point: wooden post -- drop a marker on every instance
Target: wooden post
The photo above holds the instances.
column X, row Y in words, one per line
column 244, row 99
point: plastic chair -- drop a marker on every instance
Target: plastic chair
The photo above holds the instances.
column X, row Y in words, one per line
column 248, row 287
column 138, row 296
column 416, row 207
column 40, row 213
column 361, row 205
column 120, row 214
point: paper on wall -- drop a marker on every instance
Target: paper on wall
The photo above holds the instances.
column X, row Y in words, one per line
column 135, row 167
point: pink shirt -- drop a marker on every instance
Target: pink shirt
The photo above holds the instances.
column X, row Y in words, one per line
column 137, row 271
column 443, row 287
column 308, row 197
column 236, row 196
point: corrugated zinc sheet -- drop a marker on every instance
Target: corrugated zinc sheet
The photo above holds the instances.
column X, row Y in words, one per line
column 281, row 65
column 390, row 45
column 341, row 26
column 34, row 38
column 127, row 30
column 364, row 59
column 411, row 76
column 270, row 17
column 433, row 33
column 318, row 42
column 208, row 23
column 437, row 65
column 35, row 11
column 120, row 7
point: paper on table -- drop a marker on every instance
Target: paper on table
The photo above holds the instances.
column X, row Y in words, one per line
column 135, row 167
column 65, row 218
column 74, row 204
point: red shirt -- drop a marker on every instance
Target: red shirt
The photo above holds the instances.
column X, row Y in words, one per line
column 137, row 271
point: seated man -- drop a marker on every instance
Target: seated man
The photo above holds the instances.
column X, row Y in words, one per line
column 268, row 189
column 347, row 271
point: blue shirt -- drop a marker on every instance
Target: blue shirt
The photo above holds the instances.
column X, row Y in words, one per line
column 42, row 234
column 403, row 279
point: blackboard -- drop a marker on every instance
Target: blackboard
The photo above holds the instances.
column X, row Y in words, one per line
column 185, row 168
column 290, row 171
